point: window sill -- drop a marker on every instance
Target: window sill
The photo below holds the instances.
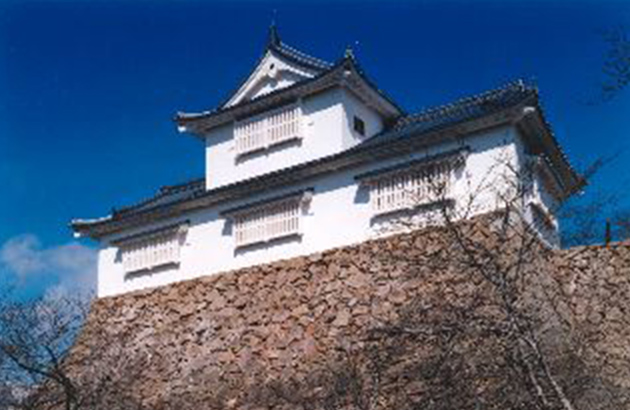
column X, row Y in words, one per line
column 296, row 235
column 242, row 156
column 140, row 271
column 446, row 203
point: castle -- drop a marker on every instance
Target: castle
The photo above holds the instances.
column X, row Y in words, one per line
column 307, row 156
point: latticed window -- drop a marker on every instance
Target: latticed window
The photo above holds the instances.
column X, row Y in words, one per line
column 267, row 222
column 264, row 131
column 150, row 254
column 410, row 188
column 151, row 250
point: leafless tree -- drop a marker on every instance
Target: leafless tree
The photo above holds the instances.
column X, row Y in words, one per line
column 617, row 64
column 597, row 215
column 40, row 367
column 492, row 337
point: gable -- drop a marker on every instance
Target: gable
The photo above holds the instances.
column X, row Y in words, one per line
column 282, row 76
column 272, row 73
column 280, row 67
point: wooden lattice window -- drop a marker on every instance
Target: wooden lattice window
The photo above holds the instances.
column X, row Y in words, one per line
column 267, row 130
column 268, row 222
column 151, row 250
column 406, row 189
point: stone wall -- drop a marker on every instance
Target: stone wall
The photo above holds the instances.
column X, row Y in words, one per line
column 594, row 293
column 287, row 318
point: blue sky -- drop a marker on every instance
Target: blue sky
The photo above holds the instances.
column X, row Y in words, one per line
column 88, row 90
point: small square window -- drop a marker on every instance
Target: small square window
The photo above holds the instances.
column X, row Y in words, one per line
column 359, row 125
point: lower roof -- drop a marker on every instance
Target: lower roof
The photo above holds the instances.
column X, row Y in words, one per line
column 346, row 73
column 515, row 103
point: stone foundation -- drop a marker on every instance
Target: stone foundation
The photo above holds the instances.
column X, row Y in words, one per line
column 285, row 319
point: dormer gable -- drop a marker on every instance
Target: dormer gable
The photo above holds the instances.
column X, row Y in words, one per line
column 279, row 67
column 286, row 78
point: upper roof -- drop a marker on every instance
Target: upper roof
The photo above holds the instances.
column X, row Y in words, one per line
column 276, row 45
column 279, row 66
column 515, row 103
column 283, row 75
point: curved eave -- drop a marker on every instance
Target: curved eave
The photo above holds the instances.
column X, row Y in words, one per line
column 283, row 52
column 297, row 57
column 357, row 156
column 542, row 141
column 522, row 110
column 343, row 74
column 84, row 227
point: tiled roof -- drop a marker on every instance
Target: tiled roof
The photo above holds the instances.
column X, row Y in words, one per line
column 166, row 195
column 321, row 70
column 465, row 109
column 182, row 117
column 470, row 108
column 414, row 127
column 349, row 56
column 275, row 44
column 335, row 75
column 300, row 57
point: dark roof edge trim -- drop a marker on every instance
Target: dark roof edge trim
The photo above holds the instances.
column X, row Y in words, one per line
column 353, row 157
column 161, row 231
column 286, row 52
column 189, row 120
column 299, row 57
column 297, row 195
column 202, row 122
column 161, row 193
column 457, row 156
column 538, row 129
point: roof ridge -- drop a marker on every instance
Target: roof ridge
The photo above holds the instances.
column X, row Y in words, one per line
column 162, row 192
column 518, row 85
column 295, row 53
column 274, row 42
column 415, row 128
column 183, row 185
column 351, row 59
column 180, row 115
column 553, row 136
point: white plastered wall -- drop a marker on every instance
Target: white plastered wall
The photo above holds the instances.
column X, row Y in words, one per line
column 326, row 127
column 272, row 73
column 353, row 107
column 339, row 214
column 535, row 191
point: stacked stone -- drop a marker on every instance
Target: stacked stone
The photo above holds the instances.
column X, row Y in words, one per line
column 594, row 293
column 264, row 321
column 284, row 319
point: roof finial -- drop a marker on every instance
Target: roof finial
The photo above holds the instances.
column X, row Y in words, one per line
column 349, row 54
column 274, row 37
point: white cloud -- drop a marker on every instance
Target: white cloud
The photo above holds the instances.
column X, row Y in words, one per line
column 22, row 255
column 73, row 265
